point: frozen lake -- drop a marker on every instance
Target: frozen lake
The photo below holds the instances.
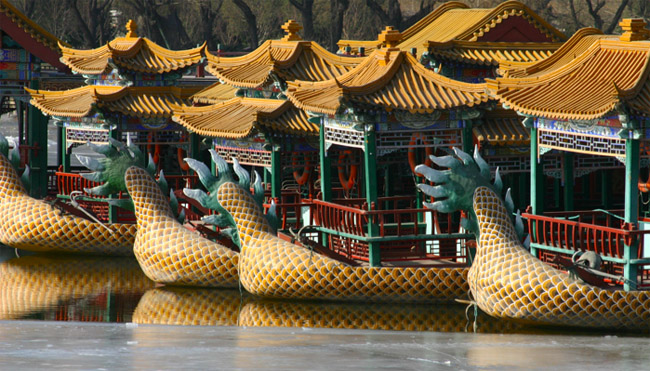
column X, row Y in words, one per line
column 65, row 345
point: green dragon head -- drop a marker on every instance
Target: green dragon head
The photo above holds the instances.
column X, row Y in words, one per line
column 13, row 155
column 111, row 168
column 209, row 200
column 454, row 188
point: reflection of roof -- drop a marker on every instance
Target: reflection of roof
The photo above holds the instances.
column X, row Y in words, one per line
column 132, row 101
column 576, row 45
column 588, row 87
column 502, row 128
column 289, row 60
column 456, row 21
column 238, row 117
column 20, row 28
column 492, row 53
column 132, row 53
column 214, row 93
column 388, row 78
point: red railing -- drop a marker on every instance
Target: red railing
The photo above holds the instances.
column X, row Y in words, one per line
column 579, row 236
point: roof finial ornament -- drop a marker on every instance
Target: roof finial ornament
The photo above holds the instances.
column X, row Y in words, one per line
column 390, row 37
column 131, row 26
column 634, row 29
column 291, row 28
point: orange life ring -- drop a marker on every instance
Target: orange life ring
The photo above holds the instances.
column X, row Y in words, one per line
column 301, row 177
column 180, row 155
column 347, row 180
column 644, row 187
column 413, row 162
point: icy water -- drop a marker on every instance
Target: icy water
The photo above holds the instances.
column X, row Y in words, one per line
column 70, row 312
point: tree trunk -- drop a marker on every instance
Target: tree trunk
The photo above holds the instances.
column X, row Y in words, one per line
column 338, row 13
column 251, row 21
column 306, row 8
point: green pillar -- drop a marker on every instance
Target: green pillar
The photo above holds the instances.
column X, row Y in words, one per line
column 370, row 166
column 37, row 137
column 631, row 209
column 63, row 145
column 536, row 181
column 325, row 167
column 536, row 176
column 195, row 146
column 567, row 168
column 276, row 171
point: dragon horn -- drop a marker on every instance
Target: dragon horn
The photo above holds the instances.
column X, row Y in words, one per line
column 485, row 168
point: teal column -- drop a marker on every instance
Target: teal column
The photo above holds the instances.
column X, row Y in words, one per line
column 370, row 166
column 65, row 155
column 276, row 171
column 567, row 168
column 325, row 167
column 536, row 181
column 631, row 209
column 37, row 138
column 536, row 176
column 195, row 146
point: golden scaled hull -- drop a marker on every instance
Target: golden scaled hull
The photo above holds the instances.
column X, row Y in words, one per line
column 34, row 225
column 507, row 281
column 271, row 267
column 168, row 252
column 32, row 284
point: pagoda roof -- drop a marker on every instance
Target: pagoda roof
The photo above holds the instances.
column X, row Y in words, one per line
column 131, row 52
column 390, row 78
column 456, row 21
column 289, row 59
column 502, row 128
column 239, row 117
column 572, row 48
column 492, row 53
column 144, row 102
column 214, row 93
column 30, row 35
column 609, row 72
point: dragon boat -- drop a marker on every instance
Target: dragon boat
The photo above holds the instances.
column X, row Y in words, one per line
column 507, row 281
column 70, row 287
column 168, row 252
column 271, row 267
column 36, row 225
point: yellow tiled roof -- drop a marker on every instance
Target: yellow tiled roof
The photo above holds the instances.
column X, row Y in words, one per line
column 290, row 60
column 132, row 101
column 492, row 53
column 588, row 87
column 214, row 93
column 133, row 53
column 502, row 128
column 391, row 79
column 456, row 21
column 571, row 49
column 238, row 117
column 32, row 28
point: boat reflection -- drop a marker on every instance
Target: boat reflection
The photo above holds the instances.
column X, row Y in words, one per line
column 71, row 288
column 195, row 306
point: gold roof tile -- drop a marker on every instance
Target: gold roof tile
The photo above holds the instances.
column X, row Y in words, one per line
column 456, row 21
column 388, row 78
column 588, row 87
column 132, row 101
column 238, row 117
column 502, row 128
column 214, row 93
column 290, row 60
column 132, row 53
column 492, row 53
